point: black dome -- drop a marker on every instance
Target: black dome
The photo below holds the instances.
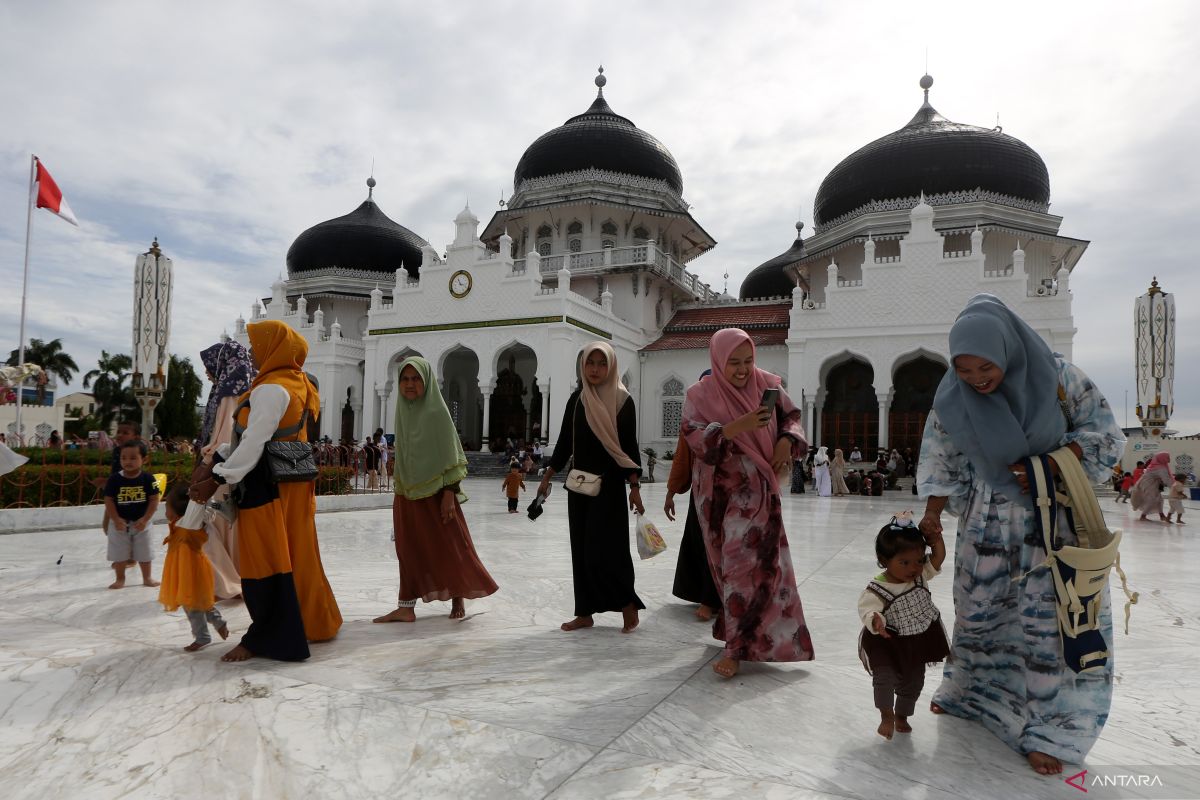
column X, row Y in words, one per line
column 933, row 155
column 363, row 239
column 598, row 139
column 769, row 279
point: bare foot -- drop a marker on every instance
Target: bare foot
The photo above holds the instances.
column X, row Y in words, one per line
column 223, row 631
column 194, row 646
column 399, row 615
column 238, row 653
column 704, row 613
column 902, row 725
column 630, row 615
column 887, row 724
column 457, row 609
column 934, row 708
column 1143, row 518
column 150, row 582
column 1043, row 764
column 727, row 667
column 119, row 583
column 577, row 623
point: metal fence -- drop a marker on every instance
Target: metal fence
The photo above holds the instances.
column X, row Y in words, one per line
column 76, row 477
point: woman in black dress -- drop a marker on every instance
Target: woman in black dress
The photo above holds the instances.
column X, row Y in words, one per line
column 600, row 430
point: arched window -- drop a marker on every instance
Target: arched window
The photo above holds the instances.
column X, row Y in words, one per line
column 672, row 407
column 576, row 245
column 544, row 249
column 575, row 228
column 609, row 228
column 640, row 234
column 544, row 232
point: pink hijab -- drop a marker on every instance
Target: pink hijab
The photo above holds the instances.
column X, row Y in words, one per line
column 718, row 400
column 601, row 403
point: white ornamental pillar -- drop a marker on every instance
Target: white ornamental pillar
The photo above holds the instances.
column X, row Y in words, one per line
column 883, row 420
column 152, row 278
column 1154, row 354
column 810, row 416
column 544, row 388
column 486, row 394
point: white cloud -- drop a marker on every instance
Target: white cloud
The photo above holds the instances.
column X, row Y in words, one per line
column 226, row 129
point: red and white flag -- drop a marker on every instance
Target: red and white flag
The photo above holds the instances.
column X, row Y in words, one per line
column 50, row 197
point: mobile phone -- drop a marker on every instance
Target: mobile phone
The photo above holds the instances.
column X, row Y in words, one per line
column 770, row 398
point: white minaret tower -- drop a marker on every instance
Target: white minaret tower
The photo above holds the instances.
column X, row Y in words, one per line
column 151, row 329
column 1154, row 357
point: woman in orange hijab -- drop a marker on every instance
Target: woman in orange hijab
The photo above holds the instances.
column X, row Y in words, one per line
column 283, row 582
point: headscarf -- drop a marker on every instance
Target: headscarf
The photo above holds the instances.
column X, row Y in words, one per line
column 280, row 353
column 718, row 400
column 1021, row 417
column 822, row 456
column 838, row 459
column 601, row 403
column 429, row 454
column 232, row 370
column 1160, row 463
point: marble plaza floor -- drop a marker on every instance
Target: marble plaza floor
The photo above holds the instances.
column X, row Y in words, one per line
column 97, row 700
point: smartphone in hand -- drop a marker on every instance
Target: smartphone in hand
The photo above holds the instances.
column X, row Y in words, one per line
column 770, row 398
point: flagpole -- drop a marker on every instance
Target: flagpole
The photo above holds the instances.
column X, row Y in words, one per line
column 24, row 297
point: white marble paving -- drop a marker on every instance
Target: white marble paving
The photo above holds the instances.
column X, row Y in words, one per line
column 97, row 700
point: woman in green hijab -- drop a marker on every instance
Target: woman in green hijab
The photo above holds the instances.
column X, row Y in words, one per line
column 437, row 559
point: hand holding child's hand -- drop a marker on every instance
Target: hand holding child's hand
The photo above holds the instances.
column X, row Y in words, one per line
column 880, row 626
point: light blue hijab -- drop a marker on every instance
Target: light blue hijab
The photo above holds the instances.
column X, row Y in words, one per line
column 1022, row 416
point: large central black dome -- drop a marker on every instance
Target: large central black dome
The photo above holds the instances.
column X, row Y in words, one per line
column 933, row 155
column 364, row 239
column 599, row 138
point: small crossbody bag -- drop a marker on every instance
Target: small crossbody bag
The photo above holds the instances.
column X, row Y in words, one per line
column 288, row 460
column 578, row 480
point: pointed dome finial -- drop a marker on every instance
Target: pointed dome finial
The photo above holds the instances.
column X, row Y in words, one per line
column 601, row 81
column 154, row 250
column 370, row 186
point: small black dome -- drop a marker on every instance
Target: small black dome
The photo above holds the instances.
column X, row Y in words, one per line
column 769, row 279
column 933, row 155
column 598, row 139
column 363, row 239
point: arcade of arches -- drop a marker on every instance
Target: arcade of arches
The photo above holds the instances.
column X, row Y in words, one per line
column 487, row 415
column 853, row 405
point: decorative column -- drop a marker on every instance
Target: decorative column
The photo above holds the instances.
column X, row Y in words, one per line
column 151, row 329
column 486, row 394
column 883, row 420
column 810, row 416
column 544, row 388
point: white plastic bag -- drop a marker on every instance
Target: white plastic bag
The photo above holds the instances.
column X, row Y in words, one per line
column 649, row 541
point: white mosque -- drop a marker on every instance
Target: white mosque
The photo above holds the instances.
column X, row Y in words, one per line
column 595, row 242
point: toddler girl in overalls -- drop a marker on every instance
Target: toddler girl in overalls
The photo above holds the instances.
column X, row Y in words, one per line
column 902, row 628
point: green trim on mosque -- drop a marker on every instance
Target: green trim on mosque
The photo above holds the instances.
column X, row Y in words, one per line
column 492, row 323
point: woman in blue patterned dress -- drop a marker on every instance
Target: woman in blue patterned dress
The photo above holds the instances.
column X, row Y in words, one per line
column 997, row 404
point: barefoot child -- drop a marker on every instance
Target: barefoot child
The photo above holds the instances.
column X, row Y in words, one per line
column 902, row 629
column 130, row 500
column 514, row 484
column 187, row 574
column 1175, row 498
column 126, row 431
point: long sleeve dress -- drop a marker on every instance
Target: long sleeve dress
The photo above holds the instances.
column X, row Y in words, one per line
column 283, row 582
column 742, row 520
column 693, row 575
column 1006, row 667
column 601, row 564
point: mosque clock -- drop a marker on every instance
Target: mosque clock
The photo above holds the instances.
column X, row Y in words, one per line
column 460, row 284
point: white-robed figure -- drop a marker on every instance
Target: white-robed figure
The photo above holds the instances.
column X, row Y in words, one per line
column 821, row 472
column 999, row 403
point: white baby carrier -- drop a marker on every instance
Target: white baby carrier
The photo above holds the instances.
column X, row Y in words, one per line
column 1081, row 571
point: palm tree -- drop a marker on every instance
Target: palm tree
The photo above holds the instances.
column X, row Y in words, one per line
column 112, row 395
column 49, row 356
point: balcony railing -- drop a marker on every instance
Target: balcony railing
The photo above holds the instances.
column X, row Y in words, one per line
column 598, row 261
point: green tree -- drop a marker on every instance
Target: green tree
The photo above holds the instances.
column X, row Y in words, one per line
column 113, row 396
column 176, row 414
column 49, row 356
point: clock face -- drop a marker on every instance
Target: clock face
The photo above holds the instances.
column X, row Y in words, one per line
column 460, row 283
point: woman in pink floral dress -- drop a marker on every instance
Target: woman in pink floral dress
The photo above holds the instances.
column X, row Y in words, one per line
column 740, row 448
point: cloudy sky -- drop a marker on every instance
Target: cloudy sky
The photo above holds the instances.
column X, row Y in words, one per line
column 225, row 129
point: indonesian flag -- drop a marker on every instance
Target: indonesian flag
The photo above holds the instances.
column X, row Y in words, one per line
column 50, row 197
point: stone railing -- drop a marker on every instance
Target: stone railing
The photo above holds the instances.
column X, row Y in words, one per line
column 593, row 262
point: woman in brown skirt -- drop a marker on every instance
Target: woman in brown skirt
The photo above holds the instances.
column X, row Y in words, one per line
column 437, row 559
